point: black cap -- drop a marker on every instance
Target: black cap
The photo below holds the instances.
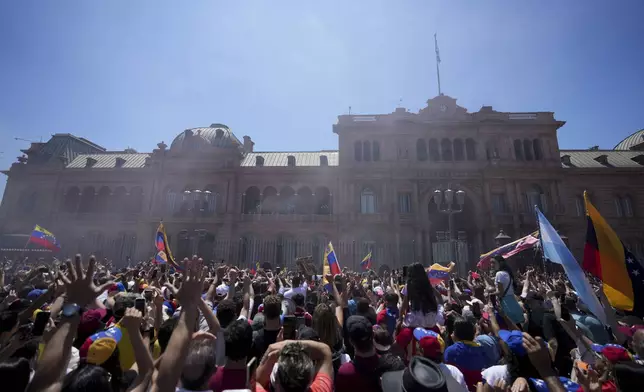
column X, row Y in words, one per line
column 307, row 333
column 359, row 329
column 421, row 375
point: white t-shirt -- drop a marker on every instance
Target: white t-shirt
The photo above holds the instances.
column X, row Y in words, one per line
column 296, row 290
column 494, row 373
column 456, row 375
column 415, row 318
column 504, row 278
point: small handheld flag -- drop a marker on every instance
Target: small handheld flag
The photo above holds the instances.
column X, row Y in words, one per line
column 438, row 273
column 366, row 262
column 331, row 260
column 330, row 265
column 44, row 237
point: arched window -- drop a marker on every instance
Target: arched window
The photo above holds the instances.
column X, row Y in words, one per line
column 304, row 201
column 538, row 150
column 87, row 199
column 103, row 199
column 366, row 151
column 72, row 197
column 270, row 201
column 290, row 161
column 446, row 149
column 210, row 200
column 518, row 150
column 119, row 200
column 527, row 150
column 367, row 201
column 171, row 200
column 421, row 150
column 324, row 160
column 628, row 206
column 135, row 200
column 459, row 153
column 619, row 210
column 376, row 151
column 259, row 161
column 536, row 197
column 323, row 201
column 434, row 155
column 624, row 206
column 491, row 151
column 470, row 149
column 287, row 200
column 357, row 150
column 251, row 200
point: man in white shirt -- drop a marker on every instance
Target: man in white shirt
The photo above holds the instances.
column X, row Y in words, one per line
column 296, row 288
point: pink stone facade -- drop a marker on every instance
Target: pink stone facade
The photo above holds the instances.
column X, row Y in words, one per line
column 220, row 197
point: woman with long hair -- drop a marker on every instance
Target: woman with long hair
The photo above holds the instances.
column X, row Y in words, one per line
column 504, row 286
column 421, row 301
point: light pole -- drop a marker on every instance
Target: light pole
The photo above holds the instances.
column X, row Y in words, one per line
column 446, row 204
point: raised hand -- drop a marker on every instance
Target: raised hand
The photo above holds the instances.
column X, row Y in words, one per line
column 132, row 319
column 192, row 284
column 79, row 284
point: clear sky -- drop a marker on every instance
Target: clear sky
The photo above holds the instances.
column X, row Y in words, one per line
column 134, row 73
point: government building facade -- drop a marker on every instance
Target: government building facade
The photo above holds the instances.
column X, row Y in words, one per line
column 222, row 199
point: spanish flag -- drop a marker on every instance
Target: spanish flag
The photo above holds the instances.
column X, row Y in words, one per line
column 606, row 257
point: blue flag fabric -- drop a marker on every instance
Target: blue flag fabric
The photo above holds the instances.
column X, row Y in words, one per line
column 556, row 251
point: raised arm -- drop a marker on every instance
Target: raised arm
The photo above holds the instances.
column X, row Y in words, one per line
column 189, row 295
column 80, row 291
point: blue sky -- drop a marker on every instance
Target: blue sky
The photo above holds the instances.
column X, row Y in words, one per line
column 133, row 73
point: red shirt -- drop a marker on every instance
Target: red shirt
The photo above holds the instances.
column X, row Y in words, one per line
column 321, row 383
column 349, row 379
column 227, row 379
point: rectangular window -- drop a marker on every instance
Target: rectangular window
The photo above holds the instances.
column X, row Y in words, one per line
column 404, row 203
column 499, row 204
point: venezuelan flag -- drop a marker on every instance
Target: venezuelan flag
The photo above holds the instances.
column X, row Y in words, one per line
column 331, row 260
column 366, row 262
column 164, row 255
column 438, row 273
column 161, row 257
column 606, row 257
column 44, row 237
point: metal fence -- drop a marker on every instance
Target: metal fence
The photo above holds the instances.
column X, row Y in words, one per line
column 248, row 252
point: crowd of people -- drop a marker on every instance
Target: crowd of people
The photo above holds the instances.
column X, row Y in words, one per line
column 85, row 325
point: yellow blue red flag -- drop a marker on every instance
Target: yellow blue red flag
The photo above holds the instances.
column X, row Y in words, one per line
column 164, row 255
column 44, row 237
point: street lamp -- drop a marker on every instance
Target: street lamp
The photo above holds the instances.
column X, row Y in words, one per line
column 445, row 204
column 502, row 238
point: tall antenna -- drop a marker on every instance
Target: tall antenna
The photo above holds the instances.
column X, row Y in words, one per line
column 438, row 61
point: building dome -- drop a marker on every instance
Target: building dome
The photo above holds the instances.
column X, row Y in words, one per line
column 204, row 139
column 634, row 140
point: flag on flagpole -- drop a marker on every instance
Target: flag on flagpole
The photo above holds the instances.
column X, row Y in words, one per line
column 507, row 250
column 366, row 262
column 556, row 251
column 330, row 266
column 44, row 237
column 164, row 255
column 606, row 257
